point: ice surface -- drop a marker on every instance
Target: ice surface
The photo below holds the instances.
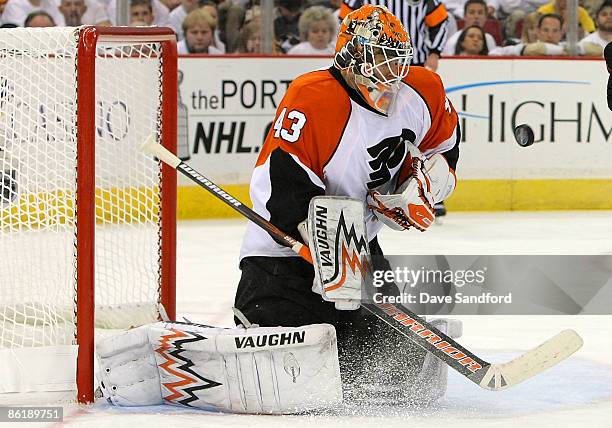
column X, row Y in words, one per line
column 576, row 393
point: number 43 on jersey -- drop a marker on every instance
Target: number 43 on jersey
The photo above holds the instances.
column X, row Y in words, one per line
column 291, row 135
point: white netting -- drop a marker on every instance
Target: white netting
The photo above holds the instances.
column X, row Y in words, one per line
column 38, row 183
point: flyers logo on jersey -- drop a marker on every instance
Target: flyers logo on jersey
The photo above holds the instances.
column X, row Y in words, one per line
column 386, row 155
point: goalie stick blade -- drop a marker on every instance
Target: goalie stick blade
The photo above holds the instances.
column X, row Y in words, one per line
column 531, row 363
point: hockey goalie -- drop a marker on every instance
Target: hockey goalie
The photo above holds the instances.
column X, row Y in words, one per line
column 367, row 143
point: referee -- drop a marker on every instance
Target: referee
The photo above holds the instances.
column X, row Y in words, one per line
column 425, row 20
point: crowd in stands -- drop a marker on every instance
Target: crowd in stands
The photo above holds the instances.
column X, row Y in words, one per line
column 308, row 27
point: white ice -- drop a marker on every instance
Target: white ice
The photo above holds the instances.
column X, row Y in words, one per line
column 576, row 393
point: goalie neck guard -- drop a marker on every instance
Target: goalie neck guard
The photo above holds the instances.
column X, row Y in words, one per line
column 373, row 52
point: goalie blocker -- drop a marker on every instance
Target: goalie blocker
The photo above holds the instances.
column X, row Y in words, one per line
column 336, row 235
column 272, row 370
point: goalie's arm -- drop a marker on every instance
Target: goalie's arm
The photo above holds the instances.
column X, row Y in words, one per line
column 304, row 136
column 292, row 186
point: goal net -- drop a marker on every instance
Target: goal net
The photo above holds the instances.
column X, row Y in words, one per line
column 86, row 219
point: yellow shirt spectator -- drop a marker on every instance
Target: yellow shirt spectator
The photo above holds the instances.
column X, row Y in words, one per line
column 559, row 7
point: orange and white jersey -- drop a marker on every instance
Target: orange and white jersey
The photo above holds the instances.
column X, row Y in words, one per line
column 325, row 140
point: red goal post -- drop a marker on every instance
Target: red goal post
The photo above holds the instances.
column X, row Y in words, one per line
column 86, row 75
column 88, row 222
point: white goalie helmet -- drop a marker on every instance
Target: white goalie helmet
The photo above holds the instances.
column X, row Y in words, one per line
column 373, row 52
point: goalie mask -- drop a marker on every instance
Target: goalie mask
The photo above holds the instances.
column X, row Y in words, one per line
column 373, row 52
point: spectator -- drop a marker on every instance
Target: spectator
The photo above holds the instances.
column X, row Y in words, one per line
column 475, row 14
column 198, row 27
column 171, row 4
column 141, row 11
column 232, row 16
column 513, row 12
column 250, row 38
column 211, row 8
column 253, row 13
column 560, row 8
column 457, row 7
column 178, row 15
column 426, row 22
column 16, row 11
column 529, row 32
column 548, row 39
column 471, row 41
column 2, row 5
column 73, row 11
column 317, row 28
column 39, row 18
column 591, row 6
column 160, row 12
column 286, row 28
column 78, row 12
column 602, row 36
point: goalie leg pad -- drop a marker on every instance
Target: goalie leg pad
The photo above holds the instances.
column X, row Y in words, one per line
column 127, row 369
column 432, row 380
column 271, row 370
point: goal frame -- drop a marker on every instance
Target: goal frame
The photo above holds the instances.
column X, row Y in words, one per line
column 86, row 137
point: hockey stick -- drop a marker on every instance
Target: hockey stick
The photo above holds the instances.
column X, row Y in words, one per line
column 155, row 149
column 489, row 376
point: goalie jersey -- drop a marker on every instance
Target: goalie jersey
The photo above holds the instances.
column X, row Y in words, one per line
column 325, row 140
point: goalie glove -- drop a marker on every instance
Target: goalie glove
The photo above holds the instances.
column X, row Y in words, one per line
column 430, row 181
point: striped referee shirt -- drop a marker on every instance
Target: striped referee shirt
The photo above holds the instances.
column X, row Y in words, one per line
column 425, row 20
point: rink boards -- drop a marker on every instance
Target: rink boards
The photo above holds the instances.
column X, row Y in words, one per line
column 227, row 104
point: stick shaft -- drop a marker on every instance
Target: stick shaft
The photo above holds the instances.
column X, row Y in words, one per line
column 151, row 147
column 228, row 199
column 430, row 338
